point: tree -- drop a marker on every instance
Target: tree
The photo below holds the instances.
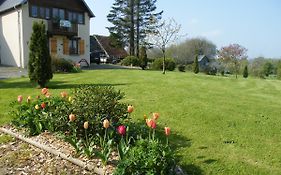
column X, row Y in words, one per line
column 132, row 20
column 39, row 65
column 143, row 58
column 279, row 70
column 233, row 54
column 245, row 72
column 166, row 33
column 185, row 52
column 196, row 65
column 268, row 68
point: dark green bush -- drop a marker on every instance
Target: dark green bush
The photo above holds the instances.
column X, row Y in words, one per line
column 147, row 157
column 181, row 68
column 170, row 64
column 130, row 60
column 63, row 65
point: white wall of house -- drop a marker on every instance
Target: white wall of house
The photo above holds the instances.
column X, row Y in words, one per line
column 10, row 33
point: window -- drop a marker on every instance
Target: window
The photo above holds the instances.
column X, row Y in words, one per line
column 80, row 18
column 61, row 14
column 42, row 12
column 73, row 47
column 47, row 13
column 55, row 13
column 34, row 11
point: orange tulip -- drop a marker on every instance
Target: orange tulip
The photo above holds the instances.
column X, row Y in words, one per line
column 105, row 123
column 44, row 91
column 151, row 123
column 72, row 117
column 20, row 98
column 86, row 125
column 156, row 115
column 48, row 95
column 148, row 122
column 63, row 94
column 167, row 131
column 130, row 109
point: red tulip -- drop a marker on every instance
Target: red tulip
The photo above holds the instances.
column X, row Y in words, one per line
column 20, row 98
column 44, row 91
column 43, row 105
column 71, row 117
column 151, row 123
column 121, row 130
column 156, row 115
column 130, row 108
column 63, row 94
column 167, row 131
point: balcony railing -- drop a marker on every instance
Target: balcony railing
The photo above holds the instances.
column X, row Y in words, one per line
column 62, row 27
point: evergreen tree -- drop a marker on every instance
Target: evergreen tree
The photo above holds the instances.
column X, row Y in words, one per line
column 143, row 58
column 132, row 20
column 196, row 65
column 245, row 72
column 279, row 70
column 39, row 65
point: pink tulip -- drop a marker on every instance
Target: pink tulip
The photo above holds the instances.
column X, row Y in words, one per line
column 20, row 98
column 121, row 130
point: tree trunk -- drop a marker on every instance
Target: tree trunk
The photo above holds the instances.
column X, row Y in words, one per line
column 138, row 28
column 132, row 28
column 164, row 58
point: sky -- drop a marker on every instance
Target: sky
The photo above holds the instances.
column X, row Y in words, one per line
column 254, row 24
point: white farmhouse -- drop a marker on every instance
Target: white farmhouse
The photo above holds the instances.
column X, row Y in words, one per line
column 67, row 25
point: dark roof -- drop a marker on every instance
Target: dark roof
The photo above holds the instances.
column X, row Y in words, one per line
column 112, row 51
column 6, row 5
column 10, row 4
column 200, row 57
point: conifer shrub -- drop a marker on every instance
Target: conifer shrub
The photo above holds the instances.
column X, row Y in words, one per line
column 196, row 65
column 39, row 65
column 143, row 58
column 245, row 72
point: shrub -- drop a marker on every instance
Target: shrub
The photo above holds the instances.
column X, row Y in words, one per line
column 39, row 64
column 196, row 65
column 245, row 72
column 63, row 65
column 170, row 64
column 147, row 157
column 181, row 68
column 143, row 58
column 130, row 60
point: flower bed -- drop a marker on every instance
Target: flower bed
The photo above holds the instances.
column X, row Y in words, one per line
column 94, row 121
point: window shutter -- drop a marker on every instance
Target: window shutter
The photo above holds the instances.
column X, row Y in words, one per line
column 53, row 46
column 82, row 47
column 66, row 47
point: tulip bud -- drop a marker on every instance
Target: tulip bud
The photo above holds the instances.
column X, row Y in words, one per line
column 105, row 123
column 44, row 91
column 43, row 105
column 121, row 130
column 28, row 99
column 36, row 107
column 130, row 109
column 156, row 115
column 167, row 131
column 63, row 94
column 86, row 125
column 71, row 117
column 144, row 116
column 20, row 98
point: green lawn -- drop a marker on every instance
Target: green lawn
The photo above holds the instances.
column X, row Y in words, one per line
column 221, row 125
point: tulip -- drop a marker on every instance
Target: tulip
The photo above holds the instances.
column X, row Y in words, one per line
column 121, row 130
column 28, row 99
column 44, row 91
column 43, row 105
column 86, row 125
column 36, row 107
column 20, row 98
column 130, row 109
column 105, row 123
column 167, row 131
column 156, row 115
column 71, row 117
column 63, row 94
column 144, row 117
column 69, row 99
column 148, row 122
column 48, row 95
column 153, row 124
